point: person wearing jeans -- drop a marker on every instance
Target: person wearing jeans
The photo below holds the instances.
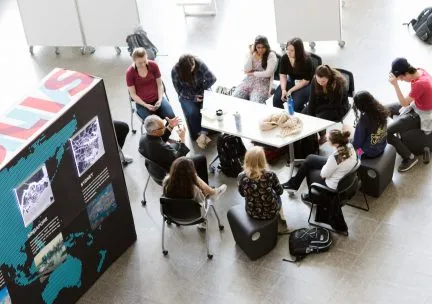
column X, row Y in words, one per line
column 192, row 112
column 145, row 86
column 295, row 72
column 190, row 77
column 164, row 110
column 416, row 108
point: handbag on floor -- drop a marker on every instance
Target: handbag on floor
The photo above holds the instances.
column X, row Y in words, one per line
column 308, row 240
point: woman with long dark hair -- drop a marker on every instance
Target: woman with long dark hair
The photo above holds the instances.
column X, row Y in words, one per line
column 259, row 68
column 370, row 136
column 295, row 72
column 333, row 168
column 329, row 96
column 182, row 182
column 191, row 77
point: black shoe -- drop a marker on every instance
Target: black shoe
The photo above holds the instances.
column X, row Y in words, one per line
column 289, row 187
column 407, row 164
column 306, row 198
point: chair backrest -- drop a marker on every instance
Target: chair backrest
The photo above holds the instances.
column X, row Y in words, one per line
column 157, row 172
column 347, row 186
column 316, row 61
column 276, row 72
column 349, row 84
column 180, row 211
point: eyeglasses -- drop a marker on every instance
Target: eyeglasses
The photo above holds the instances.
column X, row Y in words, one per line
column 159, row 129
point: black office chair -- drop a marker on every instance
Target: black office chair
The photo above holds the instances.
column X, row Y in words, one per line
column 349, row 77
column 329, row 201
column 156, row 172
column 134, row 110
column 276, row 72
column 186, row 212
column 349, row 85
column 316, row 60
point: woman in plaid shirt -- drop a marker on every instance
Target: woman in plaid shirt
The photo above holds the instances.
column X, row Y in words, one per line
column 191, row 77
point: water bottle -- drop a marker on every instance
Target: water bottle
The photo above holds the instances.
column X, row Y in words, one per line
column 290, row 105
column 237, row 121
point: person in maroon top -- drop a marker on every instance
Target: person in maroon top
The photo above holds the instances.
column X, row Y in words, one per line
column 145, row 86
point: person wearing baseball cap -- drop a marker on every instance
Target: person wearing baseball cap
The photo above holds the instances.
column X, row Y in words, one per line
column 417, row 107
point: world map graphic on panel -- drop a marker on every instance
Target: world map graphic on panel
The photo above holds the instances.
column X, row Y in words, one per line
column 55, row 268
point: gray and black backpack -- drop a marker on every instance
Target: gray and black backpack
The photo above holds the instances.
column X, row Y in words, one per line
column 140, row 39
column 423, row 25
column 308, row 240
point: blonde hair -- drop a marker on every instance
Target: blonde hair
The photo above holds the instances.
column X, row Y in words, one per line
column 138, row 52
column 255, row 162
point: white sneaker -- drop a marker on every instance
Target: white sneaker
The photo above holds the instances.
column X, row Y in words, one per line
column 201, row 141
column 207, row 139
column 202, row 226
column 219, row 191
column 127, row 159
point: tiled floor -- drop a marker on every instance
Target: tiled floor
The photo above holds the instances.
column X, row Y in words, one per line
column 387, row 258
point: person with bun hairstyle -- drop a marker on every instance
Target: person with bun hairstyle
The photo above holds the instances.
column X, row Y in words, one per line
column 333, row 168
column 329, row 96
column 183, row 182
column 259, row 69
column 295, row 72
column 261, row 189
column 370, row 136
column 416, row 108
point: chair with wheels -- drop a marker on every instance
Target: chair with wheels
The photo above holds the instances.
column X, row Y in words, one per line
column 329, row 201
column 276, row 76
column 349, row 85
column 156, row 172
column 186, row 212
column 133, row 109
column 316, row 60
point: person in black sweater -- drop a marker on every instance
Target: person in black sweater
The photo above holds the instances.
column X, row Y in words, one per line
column 329, row 96
column 154, row 145
column 296, row 72
column 370, row 137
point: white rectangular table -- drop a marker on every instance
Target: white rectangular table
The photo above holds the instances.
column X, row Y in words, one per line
column 251, row 114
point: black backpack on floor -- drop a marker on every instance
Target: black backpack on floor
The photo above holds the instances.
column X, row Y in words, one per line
column 308, row 240
column 231, row 151
column 423, row 25
column 140, row 39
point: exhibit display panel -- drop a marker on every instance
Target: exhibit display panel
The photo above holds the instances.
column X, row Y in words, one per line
column 65, row 211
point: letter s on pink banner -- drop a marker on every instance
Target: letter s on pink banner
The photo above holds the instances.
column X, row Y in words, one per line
column 2, row 154
column 53, row 83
